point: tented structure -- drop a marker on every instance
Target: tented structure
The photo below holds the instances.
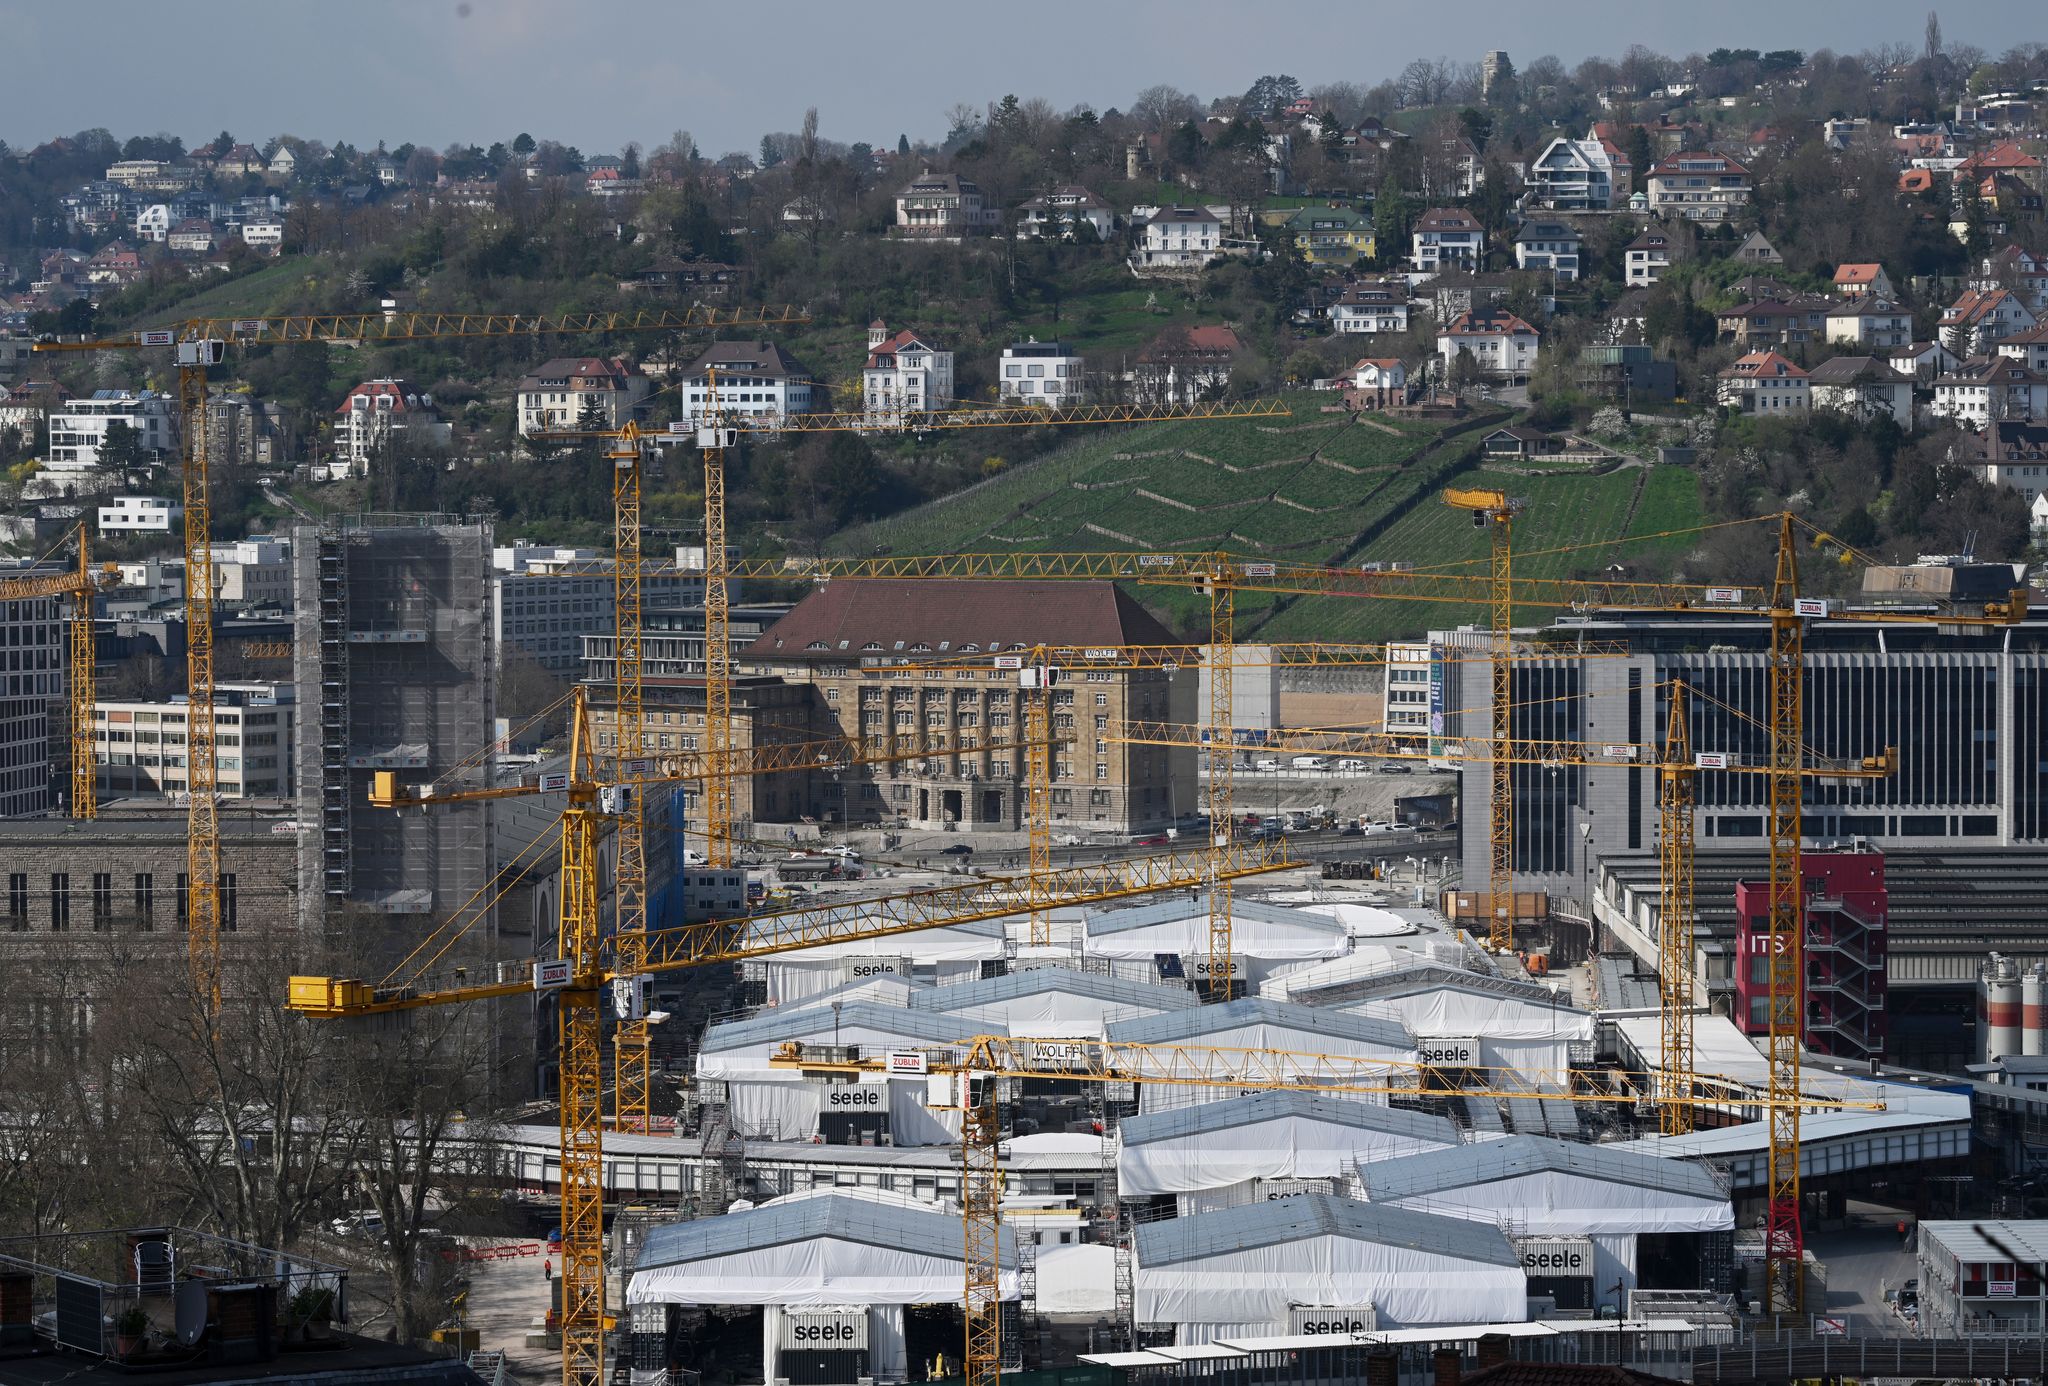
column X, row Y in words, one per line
column 1524, row 1026
column 952, row 954
column 1540, row 1187
column 884, row 989
column 771, row 1103
column 1238, row 1273
column 822, row 1253
column 1262, row 1144
column 1054, row 1002
column 1256, row 1023
column 1136, row 939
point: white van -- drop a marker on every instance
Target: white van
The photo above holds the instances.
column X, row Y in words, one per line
column 1269, row 763
column 1311, row 763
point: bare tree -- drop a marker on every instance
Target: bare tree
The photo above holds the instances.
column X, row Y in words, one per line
column 1162, row 107
column 1343, row 100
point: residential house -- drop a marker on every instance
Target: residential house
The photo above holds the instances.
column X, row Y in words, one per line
column 264, row 233
column 1331, row 235
column 706, row 281
column 79, row 430
column 1775, row 322
column 240, row 161
column 2029, row 348
column 1548, row 247
column 193, row 237
column 1867, row 280
column 1447, row 236
column 116, row 266
column 753, row 379
column 1628, row 318
column 2007, row 203
column 1698, row 186
column 2022, row 272
column 1371, row 305
column 2015, row 455
column 1975, row 323
column 1178, row 238
column 579, row 392
column 1524, row 444
column 1035, row 372
column 1870, row 322
column 1381, row 380
column 1578, row 176
column 380, row 414
column 1754, row 288
column 904, row 373
column 1924, row 361
column 1503, row 345
column 152, row 175
column 1984, row 389
column 1863, row 387
column 283, row 165
column 1060, row 214
column 2003, row 157
column 1764, row 382
column 1457, row 291
column 140, row 515
column 25, row 405
column 1183, row 364
column 1645, row 259
column 1756, row 249
column 243, row 431
column 153, row 223
column 944, row 207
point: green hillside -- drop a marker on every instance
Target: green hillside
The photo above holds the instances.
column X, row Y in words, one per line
column 1317, row 488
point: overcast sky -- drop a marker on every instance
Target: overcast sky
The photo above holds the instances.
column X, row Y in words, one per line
column 599, row 73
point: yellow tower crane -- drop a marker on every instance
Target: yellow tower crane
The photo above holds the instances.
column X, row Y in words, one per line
column 1496, row 510
column 580, row 973
column 199, row 344
column 80, row 585
column 984, row 1058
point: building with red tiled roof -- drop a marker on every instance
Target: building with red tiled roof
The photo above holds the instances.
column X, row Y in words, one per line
column 1446, row 236
column 570, row 392
column 1915, row 181
column 1502, row 345
column 2003, row 157
column 1764, row 382
column 1107, row 787
column 1857, row 280
column 1185, row 363
column 903, row 373
column 1977, row 321
column 383, row 414
column 1698, row 186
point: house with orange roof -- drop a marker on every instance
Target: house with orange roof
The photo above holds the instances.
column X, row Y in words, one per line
column 2022, row 271
column 1380, row 381
column 1503, row 345
column 1863, row 281
column 1975, row 322
column 1915, row 181
column 904, row 372
column 1764, row 382
column 2003, row 157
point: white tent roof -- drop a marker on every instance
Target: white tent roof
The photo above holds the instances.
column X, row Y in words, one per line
column 1266, row 1135
column 1255, row 1023
column 826, row 1250
column 1181, row 926
column 1362, row 920
column 742, row 1048
column 887, row 989
column 1053, row 1001
column 954, row 943
column 1249, row 1265
column 1367, row 958
column 1445, row 1003
column 1554, row 1188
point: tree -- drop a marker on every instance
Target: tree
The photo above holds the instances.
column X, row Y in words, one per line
column 1465, row 370
column 1640, row 155
column 1162, row 107
column 1304, row 366
column 120, row 451
column 523, row 145
column 902, row 146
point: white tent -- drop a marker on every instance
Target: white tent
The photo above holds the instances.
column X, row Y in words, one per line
column 1551, row 1188
column 1263, row 937
column 1238, row 1272
column 778, row 1103
column 1368, row 958
column 823, row 1252
column 951, row 954
column 1256, row 1023
column 1053, row 1002
column 1525, row 1026
column 1234, row 1145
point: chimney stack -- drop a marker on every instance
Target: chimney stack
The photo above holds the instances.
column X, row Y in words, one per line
column 1450, row 1365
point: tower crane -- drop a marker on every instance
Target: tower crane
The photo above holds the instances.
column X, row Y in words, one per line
column 1496, row 510
column 985, row 1057
column 200, row 344
column 80, row 585
column 580, row 973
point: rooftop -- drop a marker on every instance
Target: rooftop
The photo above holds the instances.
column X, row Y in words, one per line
column 1305, row 1216
column 852, row 618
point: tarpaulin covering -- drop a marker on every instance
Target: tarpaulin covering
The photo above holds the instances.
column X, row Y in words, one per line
column 1547, row 1187
column 1267, row 1135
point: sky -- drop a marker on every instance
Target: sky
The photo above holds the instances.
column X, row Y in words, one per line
column 598, row 73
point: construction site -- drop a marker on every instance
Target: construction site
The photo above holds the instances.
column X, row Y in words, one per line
column 962, row 973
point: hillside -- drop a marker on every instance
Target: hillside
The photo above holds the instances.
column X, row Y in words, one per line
column 1318, row 488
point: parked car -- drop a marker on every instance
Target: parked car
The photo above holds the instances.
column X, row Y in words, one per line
column 1395, row 767
column 1066, row 839
column 1149, row 840
column 844, row 852
column 957, row 849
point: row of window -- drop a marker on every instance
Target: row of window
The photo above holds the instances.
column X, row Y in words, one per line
column 144, row 896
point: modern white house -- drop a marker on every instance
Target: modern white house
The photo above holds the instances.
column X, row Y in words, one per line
column 1550, row 247
column 1178, row 238
column 1060, row 214
column 571, row 392
column 1385, row 380
column 2029, row 348
column 752, row 379
column 1371, row 305
column 1698, row 186
column 903, row 373
column 1575, row 176
column 139, row 515
column 2016, row 456
column 79, row 429
column 1645, row 259
column 1871, row 323
column 263, row 233
column 1035, row 372
column 1445, row 237
column 383, row 413
column 1502, row 344
column 1976, row 322
column 1764, row 382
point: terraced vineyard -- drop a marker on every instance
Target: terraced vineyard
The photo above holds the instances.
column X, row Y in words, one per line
column 1318, row 488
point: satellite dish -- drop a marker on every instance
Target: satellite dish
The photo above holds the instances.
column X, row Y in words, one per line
column 191, row 1312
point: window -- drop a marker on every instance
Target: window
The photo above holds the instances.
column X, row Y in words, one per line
column 17, row 900
column 60, row 900
column 102, row 899
column 227, row 901
column 184, row 900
